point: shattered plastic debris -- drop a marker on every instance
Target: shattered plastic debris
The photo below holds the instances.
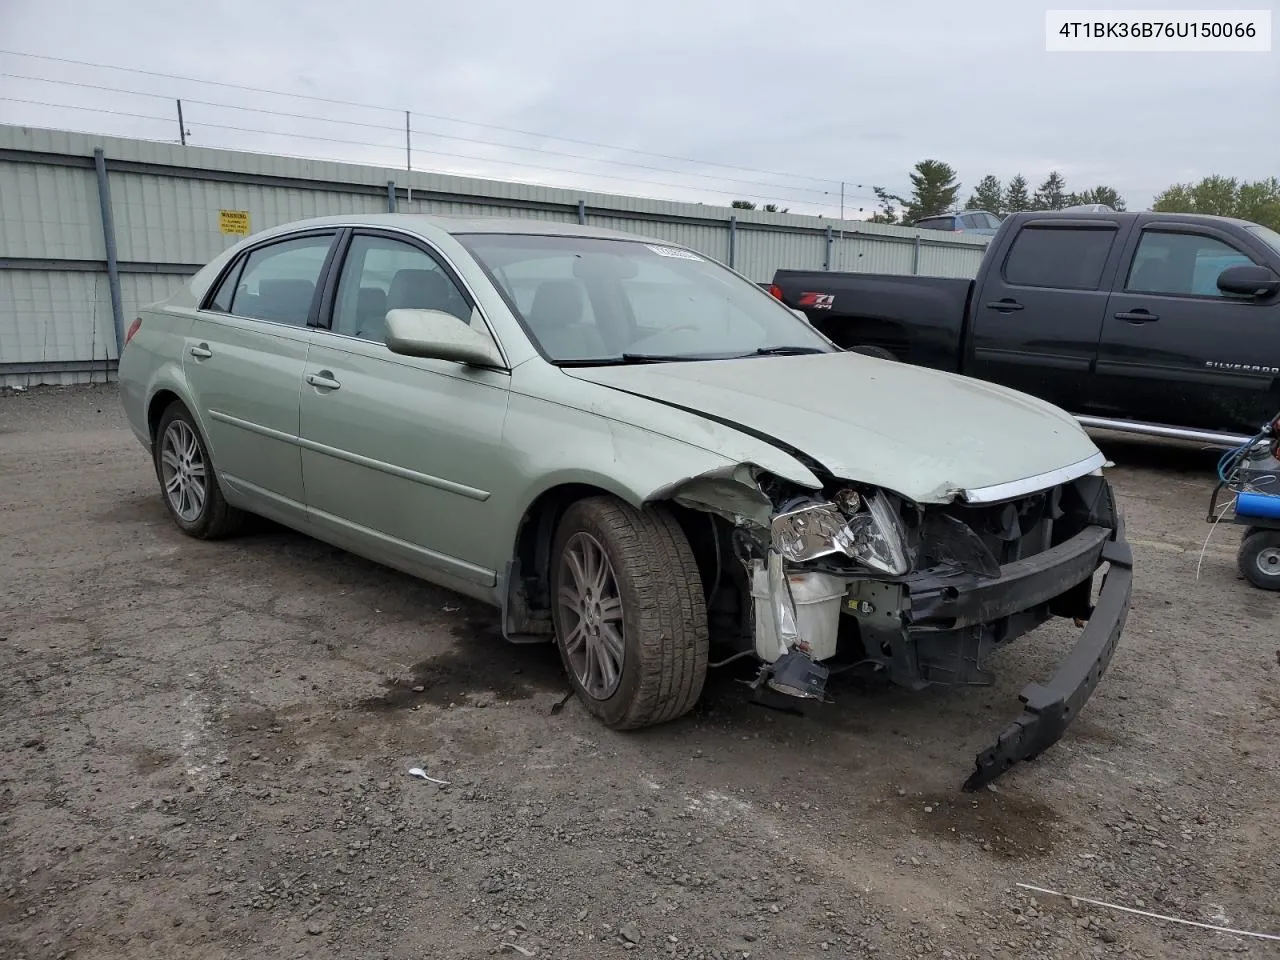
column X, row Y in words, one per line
column 422, row 774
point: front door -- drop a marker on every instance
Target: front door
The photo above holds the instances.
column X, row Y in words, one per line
column 401, row 455
column 244, row 360
column 1177, row 350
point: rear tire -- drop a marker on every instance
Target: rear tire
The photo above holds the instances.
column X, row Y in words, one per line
column 188, row 481
column 1259, row 558
column 629, row 613
column 878, row 352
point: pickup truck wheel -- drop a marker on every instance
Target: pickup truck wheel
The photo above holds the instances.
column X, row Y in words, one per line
column 879, row 352
column 629, row 614
column 188, row 481
column 1259, row 559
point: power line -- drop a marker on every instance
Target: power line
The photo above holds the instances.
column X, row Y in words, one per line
column 446, row 136
column 387, row 146
column 430, row 116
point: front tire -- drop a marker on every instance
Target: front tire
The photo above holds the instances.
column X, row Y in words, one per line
column 629, row 613
column 188, row 481
column 1259, row 558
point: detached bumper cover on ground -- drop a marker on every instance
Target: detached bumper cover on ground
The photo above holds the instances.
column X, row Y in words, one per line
column 1050, row 707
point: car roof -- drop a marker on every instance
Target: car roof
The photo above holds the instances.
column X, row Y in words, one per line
column 457, row 226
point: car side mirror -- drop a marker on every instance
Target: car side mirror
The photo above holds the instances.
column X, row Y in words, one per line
column 437, row 335
column 1249, row 280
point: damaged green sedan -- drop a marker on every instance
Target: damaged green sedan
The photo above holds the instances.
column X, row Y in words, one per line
column 637, row 454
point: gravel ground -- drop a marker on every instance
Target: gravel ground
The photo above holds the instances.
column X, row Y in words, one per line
column 205, row 754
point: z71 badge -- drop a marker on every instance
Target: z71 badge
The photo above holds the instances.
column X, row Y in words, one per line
column 817, row 301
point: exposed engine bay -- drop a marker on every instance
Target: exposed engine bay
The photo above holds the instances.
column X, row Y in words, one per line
column 858, row 578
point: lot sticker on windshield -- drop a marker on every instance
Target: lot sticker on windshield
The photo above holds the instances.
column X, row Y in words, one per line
column 673, row 252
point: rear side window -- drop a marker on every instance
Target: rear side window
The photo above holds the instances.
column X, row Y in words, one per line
column 1065, row 258
column 937, row 223
column 276, row 282
column 221, row 301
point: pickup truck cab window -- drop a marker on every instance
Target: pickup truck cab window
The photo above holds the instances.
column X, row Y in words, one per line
column 1181, row 264
column 1062, row 258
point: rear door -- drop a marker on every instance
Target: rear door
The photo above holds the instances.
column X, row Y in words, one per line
column 244, row 359
column 1037, row 317
column 1177, row 350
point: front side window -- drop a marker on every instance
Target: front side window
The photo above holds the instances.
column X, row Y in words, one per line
column 1181, row 264
column 380, row 274
column 277, row 282
column 587, row 299
column 1062, row 258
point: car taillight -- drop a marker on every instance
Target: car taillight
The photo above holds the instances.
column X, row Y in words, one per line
column 775, row 291
column 133, row 328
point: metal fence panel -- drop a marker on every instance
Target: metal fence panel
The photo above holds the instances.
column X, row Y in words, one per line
column 171, row 220
column 937, row 260
column 761, row 252
column 55, row 316
column 49, row 212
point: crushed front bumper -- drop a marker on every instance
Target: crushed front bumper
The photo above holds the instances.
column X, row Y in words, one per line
column 1051, row 706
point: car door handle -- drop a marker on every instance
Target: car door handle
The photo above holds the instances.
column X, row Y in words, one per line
column 1005, row 306
column 1138, row 316
column 323, row 380
column 201, row 351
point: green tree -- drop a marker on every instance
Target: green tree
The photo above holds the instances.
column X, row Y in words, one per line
column 1016, row 197
column 1052, row 194
column 1260, row 202
column 1221, row 196
column 888, row 212
column 988, row 196
column 1104, row 195
column 742, row 205
column 934, row 189
column 774, row 208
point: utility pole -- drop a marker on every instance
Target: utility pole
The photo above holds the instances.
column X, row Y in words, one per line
column 408, row 148
column 182, row 127
column 841, row 224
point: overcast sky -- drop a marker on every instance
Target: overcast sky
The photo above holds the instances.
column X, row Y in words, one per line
column 777, row 101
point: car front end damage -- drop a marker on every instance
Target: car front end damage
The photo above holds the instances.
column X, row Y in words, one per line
column 857, row 577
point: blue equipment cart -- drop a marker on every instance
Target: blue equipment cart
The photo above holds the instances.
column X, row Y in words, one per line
column 1252, row 473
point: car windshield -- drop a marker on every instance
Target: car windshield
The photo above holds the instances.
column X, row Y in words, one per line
column 1269, row 236
column 586, row 300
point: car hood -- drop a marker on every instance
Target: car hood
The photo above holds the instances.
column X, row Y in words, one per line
column 922, row 433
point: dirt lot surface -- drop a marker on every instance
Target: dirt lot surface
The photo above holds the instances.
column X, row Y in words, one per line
column 205, row 750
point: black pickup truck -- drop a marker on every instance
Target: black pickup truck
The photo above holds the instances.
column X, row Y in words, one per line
column 1165, row 324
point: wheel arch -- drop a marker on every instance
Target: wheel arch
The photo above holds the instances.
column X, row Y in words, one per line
column 169, row 386
column 525, row 581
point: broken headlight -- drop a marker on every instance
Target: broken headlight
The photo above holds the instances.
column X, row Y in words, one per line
column 866, row 530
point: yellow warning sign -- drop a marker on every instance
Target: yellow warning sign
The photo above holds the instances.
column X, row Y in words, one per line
column 234, row 221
